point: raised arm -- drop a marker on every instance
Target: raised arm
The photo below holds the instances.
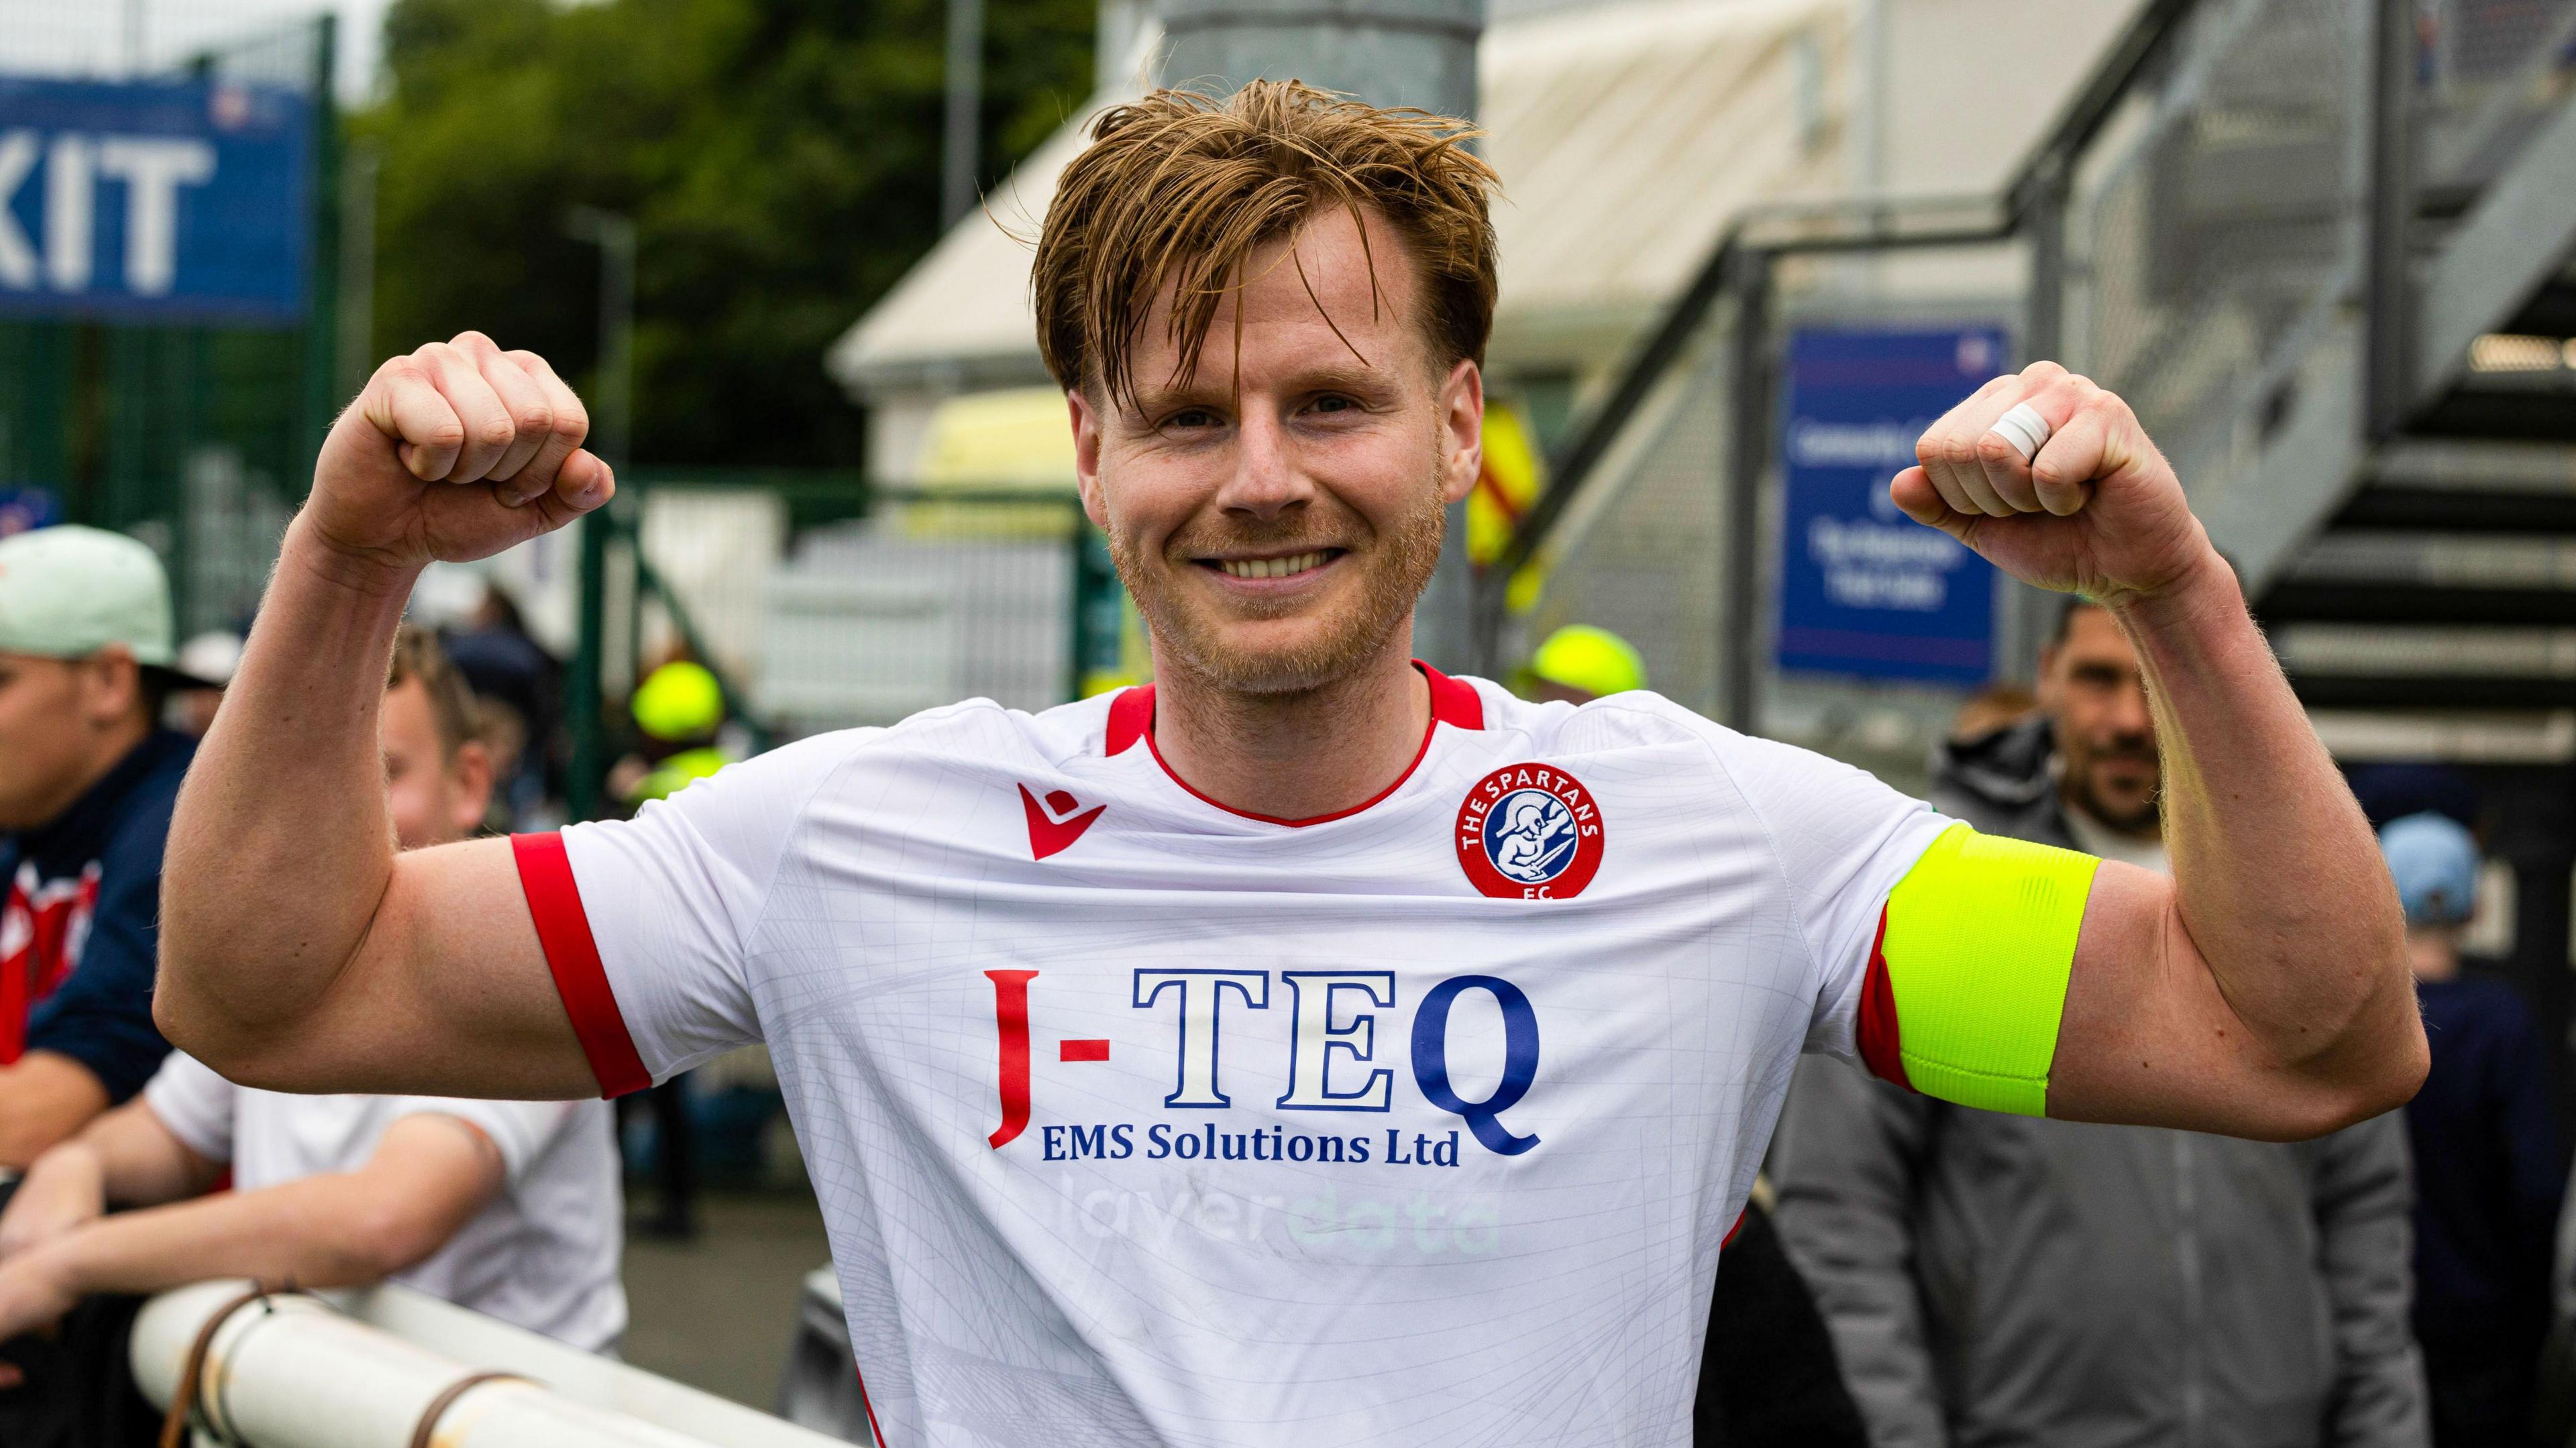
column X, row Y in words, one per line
column 298, row 951
column 2262, row 991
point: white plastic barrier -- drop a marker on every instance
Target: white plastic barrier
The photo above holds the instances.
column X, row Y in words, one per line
column 298, row 1372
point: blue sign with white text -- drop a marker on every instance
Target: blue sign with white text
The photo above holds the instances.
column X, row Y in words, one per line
column 1865, row 590
column 180, row 201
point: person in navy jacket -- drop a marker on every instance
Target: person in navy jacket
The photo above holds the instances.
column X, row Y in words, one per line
column 2485, row 1139
column 87, row 781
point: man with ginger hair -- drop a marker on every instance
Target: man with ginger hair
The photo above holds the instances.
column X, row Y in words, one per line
column 1178, row 1066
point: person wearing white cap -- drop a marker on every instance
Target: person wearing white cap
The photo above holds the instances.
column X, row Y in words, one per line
column 87, row 782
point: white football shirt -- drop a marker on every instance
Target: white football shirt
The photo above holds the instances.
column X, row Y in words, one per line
column 1138, row 1120
column 544, row 1255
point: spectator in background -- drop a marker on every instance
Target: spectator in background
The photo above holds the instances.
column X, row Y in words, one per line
column 2486, row 1155
column 508, row 1207
column 1989, row 709
column 680, row 711
column 208, row 659
column 1996, row 1279
column 87, row 780
column 1767, row 1374
column 1580, row 663
column 519, row 687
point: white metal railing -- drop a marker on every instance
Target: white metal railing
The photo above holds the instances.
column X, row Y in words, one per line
column 360, row 1371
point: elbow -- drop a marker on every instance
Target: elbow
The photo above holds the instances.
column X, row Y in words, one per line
column 2373, row 1073
column 383, row 1238
column 2399, row 1067
column 188, row 1026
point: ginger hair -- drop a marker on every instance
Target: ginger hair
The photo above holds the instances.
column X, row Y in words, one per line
column 1179, row 189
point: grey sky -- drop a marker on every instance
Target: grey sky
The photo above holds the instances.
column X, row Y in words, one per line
column 91, row 37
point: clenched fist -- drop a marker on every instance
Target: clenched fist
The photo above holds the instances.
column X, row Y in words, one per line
column 2098, row 511
column 454, row 452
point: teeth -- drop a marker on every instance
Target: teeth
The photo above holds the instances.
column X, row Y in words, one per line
column 1272, row 567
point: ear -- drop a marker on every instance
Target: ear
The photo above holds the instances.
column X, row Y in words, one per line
column 1462, row 430
column 112, row 685
column 469, row 787
column 1086, row 421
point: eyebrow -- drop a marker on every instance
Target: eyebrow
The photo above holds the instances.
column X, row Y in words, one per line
column 1345, row 376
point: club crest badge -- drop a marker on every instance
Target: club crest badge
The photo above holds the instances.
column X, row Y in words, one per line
column 1529, row 832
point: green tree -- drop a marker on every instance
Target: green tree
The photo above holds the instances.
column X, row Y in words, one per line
column 780, row 158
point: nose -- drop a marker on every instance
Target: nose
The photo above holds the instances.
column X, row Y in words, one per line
column 1266, row 481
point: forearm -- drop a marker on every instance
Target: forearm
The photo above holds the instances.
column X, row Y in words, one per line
column 280, row 850
column 311, row 1233
column 2278, row 883
column 44, row 1099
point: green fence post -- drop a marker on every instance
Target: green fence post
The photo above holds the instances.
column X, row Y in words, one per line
column 583, row 706
column 322, row 320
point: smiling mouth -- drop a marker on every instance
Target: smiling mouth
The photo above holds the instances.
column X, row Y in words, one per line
column 1283, row 567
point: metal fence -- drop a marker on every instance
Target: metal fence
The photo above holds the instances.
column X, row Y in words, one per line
column 822, row 604
column 197, row 439
column 2205, row 231
column 1644, row 555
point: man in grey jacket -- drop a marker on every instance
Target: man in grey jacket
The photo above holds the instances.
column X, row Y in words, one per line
column 2005, row 1280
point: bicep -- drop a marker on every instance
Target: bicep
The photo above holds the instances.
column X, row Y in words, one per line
column 448, row 994
column 2148, row 1037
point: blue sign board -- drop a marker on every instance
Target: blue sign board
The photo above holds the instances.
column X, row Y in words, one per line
column 154, row 201
column 1865, row 590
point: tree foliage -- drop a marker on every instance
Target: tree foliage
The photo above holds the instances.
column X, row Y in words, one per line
column 780, row 158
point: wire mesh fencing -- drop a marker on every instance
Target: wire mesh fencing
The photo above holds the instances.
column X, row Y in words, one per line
column 1643, row 552
column 922, row 600
column 196, row 437
column 2226, row 217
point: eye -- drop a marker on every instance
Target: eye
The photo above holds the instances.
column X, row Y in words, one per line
column 1332, row 402
column 1191, row 419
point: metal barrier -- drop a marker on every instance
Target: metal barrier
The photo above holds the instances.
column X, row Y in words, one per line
column 365, row 1369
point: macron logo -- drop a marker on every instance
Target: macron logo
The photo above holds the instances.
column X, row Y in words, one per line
column 1056, row 821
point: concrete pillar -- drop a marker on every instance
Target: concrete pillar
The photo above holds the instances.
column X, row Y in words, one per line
column 1386, row 52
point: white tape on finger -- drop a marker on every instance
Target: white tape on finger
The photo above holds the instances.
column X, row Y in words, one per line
column 2025, row 429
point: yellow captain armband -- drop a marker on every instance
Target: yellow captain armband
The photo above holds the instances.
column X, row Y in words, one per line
column 1968, row 978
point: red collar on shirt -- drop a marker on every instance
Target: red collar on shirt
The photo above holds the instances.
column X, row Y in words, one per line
column 1456, row 704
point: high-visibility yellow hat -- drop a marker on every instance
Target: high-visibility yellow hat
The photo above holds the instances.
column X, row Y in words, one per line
column 1594, row 660
column 677, row 773
column 679, row 701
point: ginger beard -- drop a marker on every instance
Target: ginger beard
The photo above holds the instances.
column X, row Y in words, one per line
column 1397, row 564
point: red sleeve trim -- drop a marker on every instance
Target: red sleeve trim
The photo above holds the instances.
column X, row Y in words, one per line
column 1879, row 1040
column 563, row 931
column 1734, row 1231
